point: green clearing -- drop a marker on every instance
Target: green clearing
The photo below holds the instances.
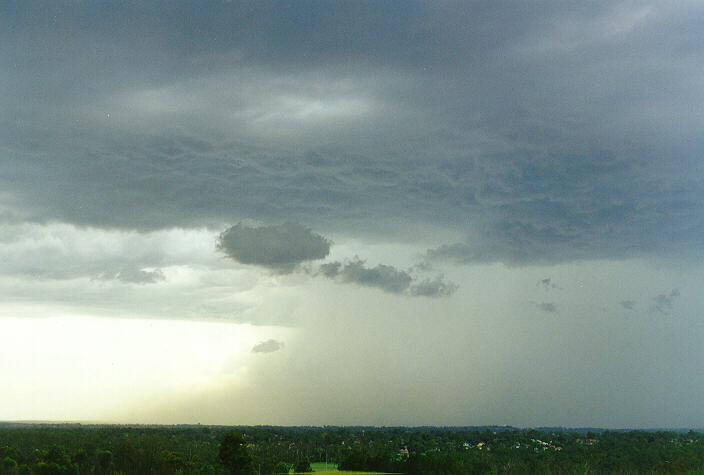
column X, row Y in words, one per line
column 319, row 469
column 324, row 467
column 337, row 472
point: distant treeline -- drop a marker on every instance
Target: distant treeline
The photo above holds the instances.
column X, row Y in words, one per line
column 88, row 449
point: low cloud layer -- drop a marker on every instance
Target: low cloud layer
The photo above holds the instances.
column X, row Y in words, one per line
column 278, row 247
column 57, row 251
column 135, row 275
column 437, row 287
column 283, row 248
column 386, row 278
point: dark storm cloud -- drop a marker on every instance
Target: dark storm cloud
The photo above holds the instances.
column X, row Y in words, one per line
column 543, row 132
column 281, row 247
column 268, row 346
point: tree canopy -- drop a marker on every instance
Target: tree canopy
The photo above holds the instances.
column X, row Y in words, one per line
column 234, row 455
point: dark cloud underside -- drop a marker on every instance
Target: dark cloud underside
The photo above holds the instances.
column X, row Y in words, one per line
column 543, row 132
column 281, row 247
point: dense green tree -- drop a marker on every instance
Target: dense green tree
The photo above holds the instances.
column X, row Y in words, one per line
column 8, row 466
column 171, row 462
column 302, row 466
column 81, row 459
column 234, row 455
column 282, row 467
column 105, row 461
column 111, row 450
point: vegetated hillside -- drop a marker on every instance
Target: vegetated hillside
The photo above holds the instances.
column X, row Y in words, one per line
column 78, row 449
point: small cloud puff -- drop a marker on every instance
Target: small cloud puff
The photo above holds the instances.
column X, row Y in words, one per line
column 268, row 346
column 548, row 284
column 663, row 303
column 279, row 247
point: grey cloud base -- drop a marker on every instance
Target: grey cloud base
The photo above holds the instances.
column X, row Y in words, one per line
column 279, row 247
column 544, row 133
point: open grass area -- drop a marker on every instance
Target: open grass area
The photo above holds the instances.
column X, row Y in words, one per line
column 324, row 467
column 319, row 468
column 337, row 472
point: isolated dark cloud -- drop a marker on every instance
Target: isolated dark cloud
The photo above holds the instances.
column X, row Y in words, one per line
column 281, row 247
column 548, row 307
column 663, row 303
column 268, row 346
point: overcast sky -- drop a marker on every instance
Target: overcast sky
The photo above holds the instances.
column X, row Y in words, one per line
column 384, row 213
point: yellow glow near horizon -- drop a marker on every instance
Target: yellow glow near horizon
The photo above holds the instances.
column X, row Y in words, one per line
column 71, row 367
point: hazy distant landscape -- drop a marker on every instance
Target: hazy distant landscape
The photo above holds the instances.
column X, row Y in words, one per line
column 136, row 449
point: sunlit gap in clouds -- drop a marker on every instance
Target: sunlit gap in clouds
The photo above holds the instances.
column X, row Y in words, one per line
column 80, row 367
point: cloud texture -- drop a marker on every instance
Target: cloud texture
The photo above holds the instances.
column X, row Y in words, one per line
column 547, row 126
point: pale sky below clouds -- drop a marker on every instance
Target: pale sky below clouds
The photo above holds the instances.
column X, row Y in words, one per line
column 427, row 213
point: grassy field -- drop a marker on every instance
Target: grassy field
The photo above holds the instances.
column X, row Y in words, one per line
column 319, row 469
column 337, row 472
